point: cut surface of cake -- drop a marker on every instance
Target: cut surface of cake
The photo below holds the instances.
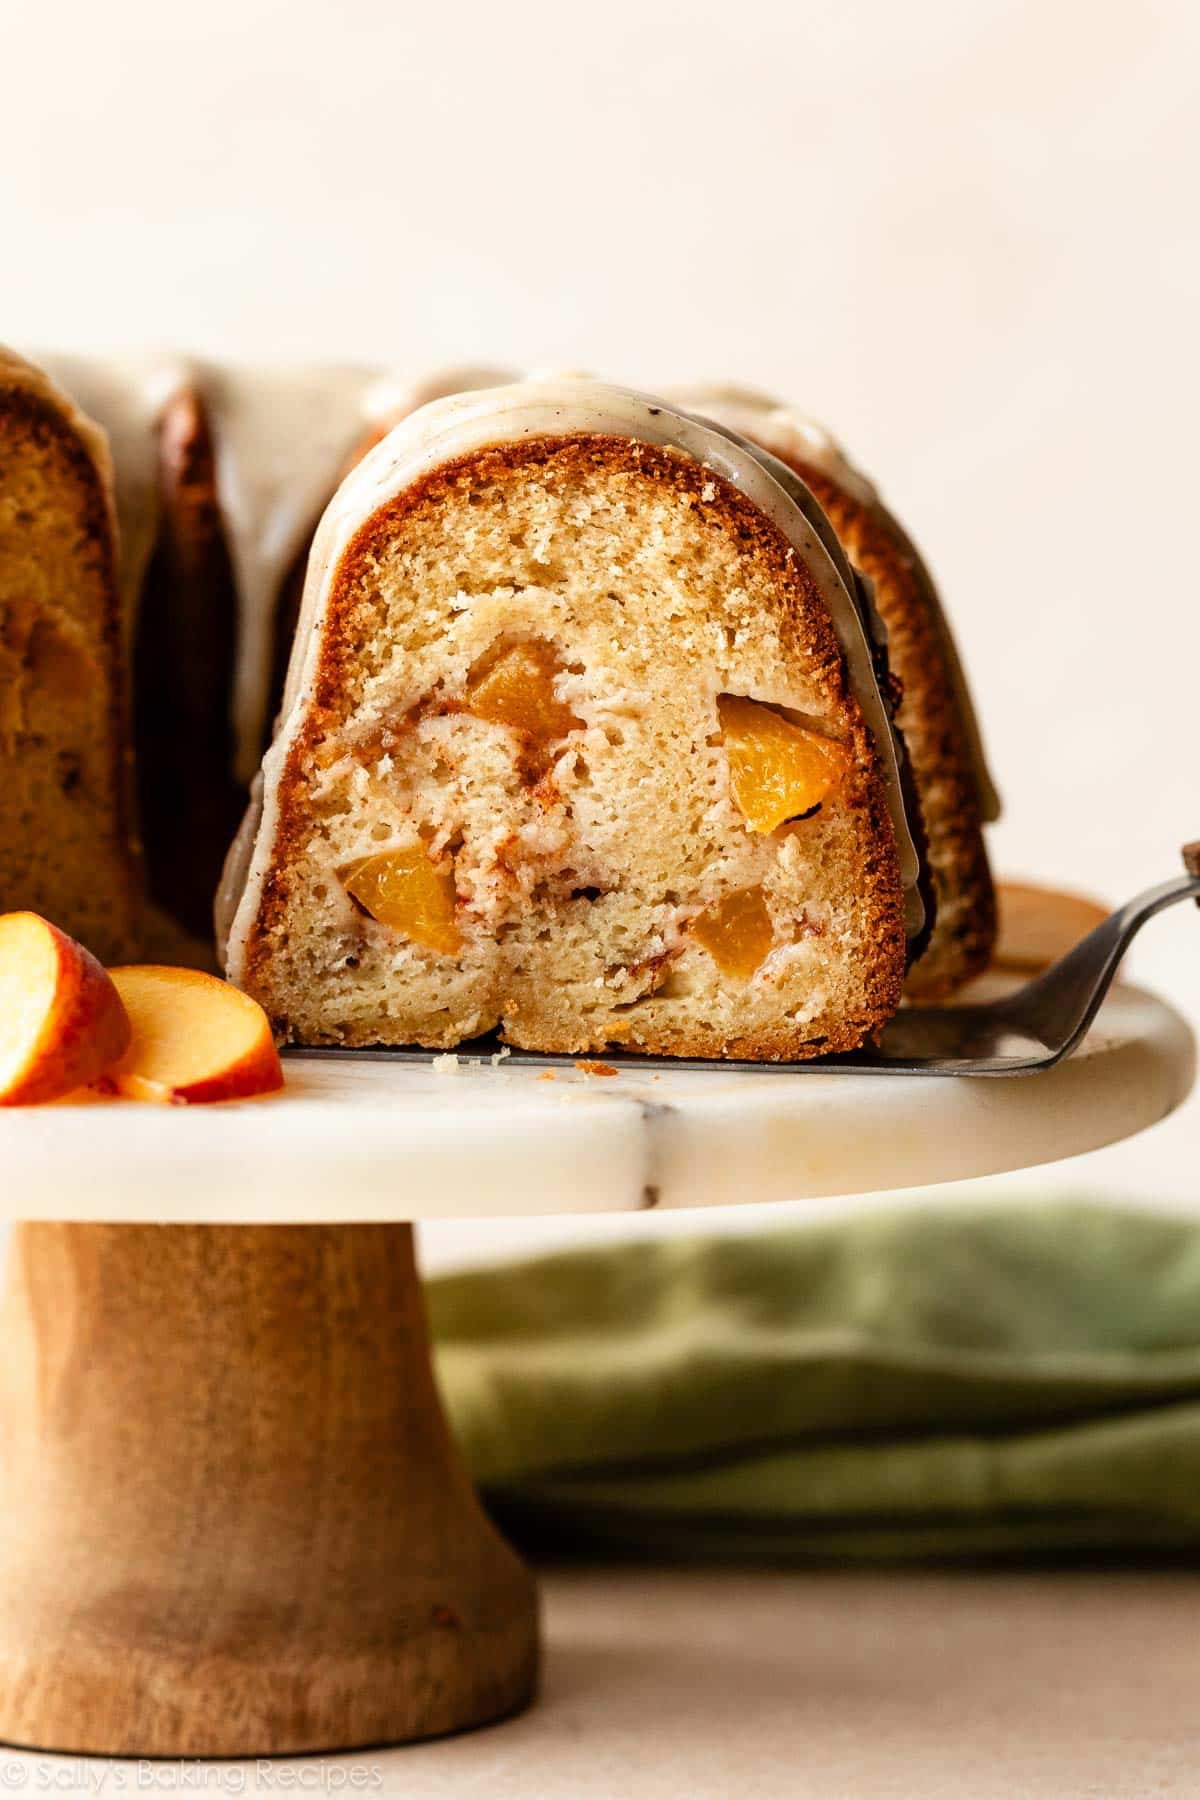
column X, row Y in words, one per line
column 583, row 741
column 66, row 845
column 936, row 715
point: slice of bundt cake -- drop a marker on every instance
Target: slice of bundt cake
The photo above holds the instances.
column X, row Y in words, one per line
column 935, row 713
column 65, row 836
column 583, row 740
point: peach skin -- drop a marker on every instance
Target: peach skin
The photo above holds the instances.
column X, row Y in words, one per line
column 195, row 1039
column 62, row 1023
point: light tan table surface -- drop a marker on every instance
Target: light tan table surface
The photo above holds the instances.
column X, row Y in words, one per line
column 696, row 1684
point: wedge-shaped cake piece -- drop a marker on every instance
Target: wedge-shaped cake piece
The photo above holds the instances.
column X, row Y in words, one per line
column 936, row 714
column 65, row 835
column 583, row 740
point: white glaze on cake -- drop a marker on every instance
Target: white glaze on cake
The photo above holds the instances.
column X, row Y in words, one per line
column 282, row 438
column 794, row 437
column 125, row 396
column 466, row 423
column 781, row 429
column 36, row 380
column 393, row 397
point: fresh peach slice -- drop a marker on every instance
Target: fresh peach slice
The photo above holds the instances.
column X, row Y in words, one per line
column 195, row 1038
column 411, row 893
column 516, row 689
column 777, row 769
column 62, row 1023
column 737, row 932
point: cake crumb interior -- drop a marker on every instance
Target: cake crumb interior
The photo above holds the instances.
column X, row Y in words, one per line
column 587, row 822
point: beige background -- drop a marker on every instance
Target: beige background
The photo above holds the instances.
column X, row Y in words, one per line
column 963, row 233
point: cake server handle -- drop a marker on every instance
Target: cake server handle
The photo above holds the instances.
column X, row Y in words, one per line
column 1191, row 861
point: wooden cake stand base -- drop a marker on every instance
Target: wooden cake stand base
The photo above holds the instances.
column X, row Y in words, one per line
column 232, row 1520
column 231, row 1523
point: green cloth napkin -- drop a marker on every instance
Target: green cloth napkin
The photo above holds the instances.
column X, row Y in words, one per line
column 930, row 1383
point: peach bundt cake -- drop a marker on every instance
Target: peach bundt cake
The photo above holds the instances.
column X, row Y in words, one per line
column 221, row 474
column 220, row 477
column 583, row 740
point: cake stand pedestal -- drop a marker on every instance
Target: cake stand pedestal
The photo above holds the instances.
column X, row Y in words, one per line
column 231, row 1521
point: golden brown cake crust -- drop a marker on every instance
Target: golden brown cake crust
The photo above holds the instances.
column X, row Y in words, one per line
column 808, row 634
column 937, row 738
column 63, row 717
column 291, row 589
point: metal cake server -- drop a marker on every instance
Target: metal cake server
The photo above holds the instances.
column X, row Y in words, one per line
column 1030, row 1030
